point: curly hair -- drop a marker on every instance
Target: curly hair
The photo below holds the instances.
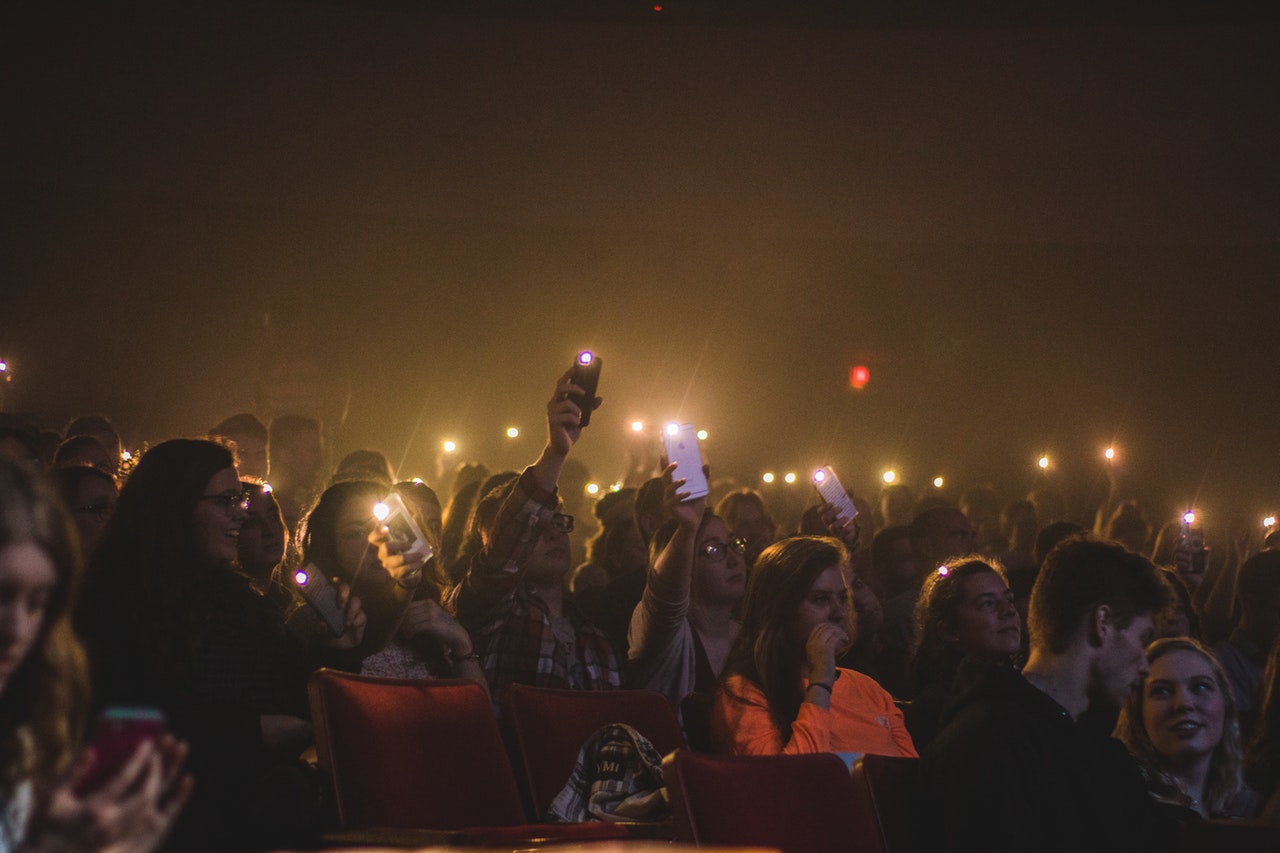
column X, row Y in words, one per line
column 44, row 703
column 933, row 658
column 765, row 652
column 1226, row 777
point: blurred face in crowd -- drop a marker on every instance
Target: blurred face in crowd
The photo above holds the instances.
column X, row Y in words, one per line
column 94, row 502
column 754, row 527
column 219, row 515
column 251, row 456
column 950, row 536
column 27, row 578
column 551, row 557
column 719, row 570
column 1183, row 707
column 866, row 606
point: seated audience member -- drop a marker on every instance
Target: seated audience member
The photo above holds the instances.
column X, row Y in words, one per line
column 424, row 505
column 1050, row 504
column 966, row 610
column 454, row 528
column 514, row 601
column 897, row 505
column 749, row 520
column 1012, row 767
column 1244, row 653
column 938, row 534
column 406, row 637
column 1129, row 527
column 1018, row 523
column 1182, row 728
column 168, row 623
column 43, row 691
column 1179, row 618
column 617, row 548
column 684, row 626
column 90, row 494
column 610, row 608
column 249, row 439
column 263, row 540
column 981, row 505
column 296, row 454
column 371, row 465
column 1262, row 760
column 782, row 691
column 100, row 428
column 893, row 567
column 82, row 451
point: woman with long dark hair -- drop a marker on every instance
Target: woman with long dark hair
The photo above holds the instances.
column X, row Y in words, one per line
column 782, row 691
column 169, row 623
column 44, row 698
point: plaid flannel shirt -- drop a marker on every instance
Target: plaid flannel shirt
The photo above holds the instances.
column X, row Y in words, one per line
column 511, row 628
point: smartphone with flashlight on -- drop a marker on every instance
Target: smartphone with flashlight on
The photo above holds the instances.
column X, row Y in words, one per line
column 831, row 490
column 586, row 375
column 319, row 592
column 681, row 444
column 392, row 512
column 1192, row 542
column 119, row 733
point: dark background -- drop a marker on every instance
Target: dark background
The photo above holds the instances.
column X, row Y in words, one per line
column 1044, row 228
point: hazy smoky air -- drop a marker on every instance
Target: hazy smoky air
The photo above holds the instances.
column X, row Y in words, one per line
column 1039, row 239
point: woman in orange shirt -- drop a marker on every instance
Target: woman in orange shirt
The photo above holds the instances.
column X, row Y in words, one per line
column 782, row 691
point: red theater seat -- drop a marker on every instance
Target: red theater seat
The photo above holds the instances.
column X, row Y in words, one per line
column 422, row 755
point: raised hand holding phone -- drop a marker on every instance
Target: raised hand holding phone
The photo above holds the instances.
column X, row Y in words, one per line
column 681, row 443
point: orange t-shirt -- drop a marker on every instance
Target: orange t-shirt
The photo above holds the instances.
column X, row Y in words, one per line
column 862, row 718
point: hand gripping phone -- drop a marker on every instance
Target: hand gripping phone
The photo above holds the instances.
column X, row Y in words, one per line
column 395, row 515
column 586, row 375
column 681, row 443
column 319, row 592
column 831, row 490
column 120, row 731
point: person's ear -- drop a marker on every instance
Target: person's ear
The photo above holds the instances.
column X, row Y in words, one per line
column 1101, row 625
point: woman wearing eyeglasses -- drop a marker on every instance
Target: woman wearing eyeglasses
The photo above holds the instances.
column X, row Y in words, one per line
column 782, row 691
column 683, row 629
column 168, row 623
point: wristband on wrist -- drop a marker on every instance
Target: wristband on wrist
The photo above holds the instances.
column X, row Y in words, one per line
column 822, row 684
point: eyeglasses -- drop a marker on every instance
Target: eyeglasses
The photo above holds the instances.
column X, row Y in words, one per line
column 99, row 509
column 717, row 551
column 240, row 499
column 560, row 523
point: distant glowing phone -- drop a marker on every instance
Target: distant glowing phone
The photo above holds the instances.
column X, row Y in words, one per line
column 119, row 733
column 395, row 515
column 586, row 375
column 681, row 443
column 829, row 487
column 320, row 593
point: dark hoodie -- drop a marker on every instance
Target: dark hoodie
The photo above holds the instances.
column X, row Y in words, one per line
column 1010, row 770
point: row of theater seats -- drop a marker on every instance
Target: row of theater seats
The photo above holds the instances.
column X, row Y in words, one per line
column 421, row 762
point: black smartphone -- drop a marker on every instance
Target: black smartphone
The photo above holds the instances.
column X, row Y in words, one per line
column 586, row 375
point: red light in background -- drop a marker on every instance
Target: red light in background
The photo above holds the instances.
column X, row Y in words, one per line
column 859, row 376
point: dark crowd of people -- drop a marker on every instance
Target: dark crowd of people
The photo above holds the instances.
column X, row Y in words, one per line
column 1064, row 686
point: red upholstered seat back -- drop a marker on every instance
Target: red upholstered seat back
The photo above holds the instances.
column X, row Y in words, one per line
column 796, row 803
column 412, row 754
column 548, row 727
column 889, row 788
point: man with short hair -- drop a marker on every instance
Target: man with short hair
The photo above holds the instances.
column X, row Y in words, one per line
column 248, row 436
column 296, row 456
column 1014, row 767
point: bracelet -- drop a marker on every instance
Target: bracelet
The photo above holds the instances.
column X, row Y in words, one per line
column 822, row 684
